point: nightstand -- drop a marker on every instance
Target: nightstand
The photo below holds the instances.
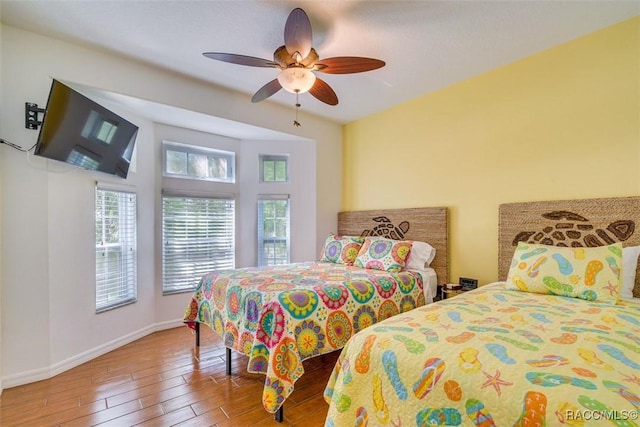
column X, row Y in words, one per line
column 438, row 295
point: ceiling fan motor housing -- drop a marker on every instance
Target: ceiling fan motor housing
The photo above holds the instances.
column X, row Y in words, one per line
column 297, row 60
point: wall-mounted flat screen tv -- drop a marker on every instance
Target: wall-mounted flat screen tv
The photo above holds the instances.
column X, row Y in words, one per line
column 81, row 132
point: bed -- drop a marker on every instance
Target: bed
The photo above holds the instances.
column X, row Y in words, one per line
column 280, row 316
column 507, row 353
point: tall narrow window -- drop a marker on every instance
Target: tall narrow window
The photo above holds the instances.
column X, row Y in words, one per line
column 116, row 254
column 198, row 236
column 273, row 230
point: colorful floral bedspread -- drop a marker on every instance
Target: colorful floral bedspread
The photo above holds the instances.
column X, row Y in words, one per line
column 493, row 357
column 280, row 316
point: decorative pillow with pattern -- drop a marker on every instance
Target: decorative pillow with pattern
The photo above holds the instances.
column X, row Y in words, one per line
column 341, row 249
column 593, row 274
column 378, row 253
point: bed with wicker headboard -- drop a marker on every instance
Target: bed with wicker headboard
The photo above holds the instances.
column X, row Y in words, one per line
column 418, row 224
column 506, row 353
column 572, row 223
column 281, row 315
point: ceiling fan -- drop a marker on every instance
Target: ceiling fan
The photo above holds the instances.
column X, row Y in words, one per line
column 297, row 60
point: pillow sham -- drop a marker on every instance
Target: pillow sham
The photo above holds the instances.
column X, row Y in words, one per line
column 420, row 256
column 341, row 249
column 379, row 253
column 593, row 274
column 629, row 267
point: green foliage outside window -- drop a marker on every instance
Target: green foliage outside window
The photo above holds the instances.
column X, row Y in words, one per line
column 274, row 170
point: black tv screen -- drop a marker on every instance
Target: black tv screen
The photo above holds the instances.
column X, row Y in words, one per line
column 81, row 132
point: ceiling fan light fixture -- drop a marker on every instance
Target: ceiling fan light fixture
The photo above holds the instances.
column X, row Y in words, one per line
column 296, row 79
column 297, row 61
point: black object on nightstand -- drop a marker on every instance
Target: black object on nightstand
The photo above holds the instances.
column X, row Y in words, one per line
column 468, row 284
column 439, row 293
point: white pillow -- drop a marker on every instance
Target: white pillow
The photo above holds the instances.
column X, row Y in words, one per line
column 420, row 256
column 629, row 265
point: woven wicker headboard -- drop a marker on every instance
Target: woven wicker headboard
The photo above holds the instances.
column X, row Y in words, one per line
column 421, row 224
column 589, row 222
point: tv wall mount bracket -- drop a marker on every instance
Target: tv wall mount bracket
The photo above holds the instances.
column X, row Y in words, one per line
column 31, row 111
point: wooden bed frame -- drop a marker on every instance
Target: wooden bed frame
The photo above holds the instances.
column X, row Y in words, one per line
column 575, row 223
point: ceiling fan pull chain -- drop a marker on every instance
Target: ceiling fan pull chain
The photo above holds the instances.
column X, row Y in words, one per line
column 296, row 122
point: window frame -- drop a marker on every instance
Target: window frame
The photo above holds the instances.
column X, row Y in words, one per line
column 128, row 283
column 263, row 260
column 274, row 158
column 230, row 156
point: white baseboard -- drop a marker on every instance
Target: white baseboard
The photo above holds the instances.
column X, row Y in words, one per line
column 77, row 360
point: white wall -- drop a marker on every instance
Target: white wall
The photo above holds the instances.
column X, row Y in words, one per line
column 301, row 188
column 71, row 247
column 1, row 155
column 47, row 319
column 301, row 191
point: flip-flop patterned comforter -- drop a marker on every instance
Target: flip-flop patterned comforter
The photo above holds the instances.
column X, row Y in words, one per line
column 280, row 316
column 493, row 357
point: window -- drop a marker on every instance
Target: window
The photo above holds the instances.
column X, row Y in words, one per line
column 273, row 230
column 116, row 254
column 106, row 131
column 189, row 161
column 198, row 236
column 274, row 168
column 98, row 128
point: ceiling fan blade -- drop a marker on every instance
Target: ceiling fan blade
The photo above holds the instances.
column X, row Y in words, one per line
column 240, row 59
column 323, row 92
column 266, row 91
column 297, row 33
column 348, row 65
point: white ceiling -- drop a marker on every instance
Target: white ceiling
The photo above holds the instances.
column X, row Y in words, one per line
column 427, row 45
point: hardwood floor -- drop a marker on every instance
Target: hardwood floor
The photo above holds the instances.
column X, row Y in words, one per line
column 162, row 380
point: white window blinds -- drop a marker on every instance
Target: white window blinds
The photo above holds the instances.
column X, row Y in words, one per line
column 116, row 254
column 273, row 230
column 198, row 236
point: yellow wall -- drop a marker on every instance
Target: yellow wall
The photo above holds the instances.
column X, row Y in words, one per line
column 561, row 124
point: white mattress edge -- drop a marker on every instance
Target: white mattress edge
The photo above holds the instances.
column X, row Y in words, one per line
column 429, row 283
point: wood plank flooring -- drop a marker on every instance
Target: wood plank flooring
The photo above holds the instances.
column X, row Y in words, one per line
column 162, row 380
